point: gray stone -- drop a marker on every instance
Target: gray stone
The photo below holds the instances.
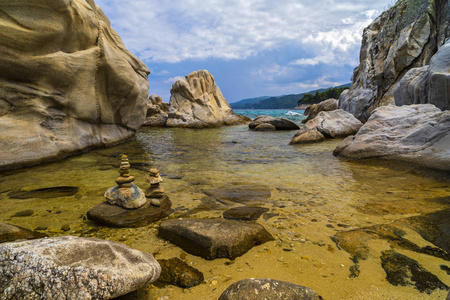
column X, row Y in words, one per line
column 9, row 233
column 116, row 216
column 214, row 238
column 315, row 109
column 404, row 37
column 68, row 83
column 197, row 102
column 264, row 288
column 73, row 268
column 128, row 197
column 279, row 123
column 417, row 133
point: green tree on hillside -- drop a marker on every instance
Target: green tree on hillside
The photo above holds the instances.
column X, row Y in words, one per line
column 320, row 96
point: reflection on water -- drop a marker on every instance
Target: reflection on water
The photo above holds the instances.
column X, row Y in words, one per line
column 313, row 196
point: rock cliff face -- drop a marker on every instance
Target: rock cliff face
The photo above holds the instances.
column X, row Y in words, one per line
column 197, row 102
column 67, row 82
column 157, row 112
column 401, row 41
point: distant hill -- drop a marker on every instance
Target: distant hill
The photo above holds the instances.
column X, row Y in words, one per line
column 276, row 102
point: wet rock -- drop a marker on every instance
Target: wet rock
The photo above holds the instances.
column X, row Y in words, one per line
column 9, row 233
column 73, row 268
column 278, row 123
column 402, row 270
column 45, row 193
column 116, row 216
column 264, row 288
column 307, row 137
column 214, row 238
column 265, row 127
column 244, row 194
column 418, row 134
column 23, row 213
column 176, row 272
column 244, row 213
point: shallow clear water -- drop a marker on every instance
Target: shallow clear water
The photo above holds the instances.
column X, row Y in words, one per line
column 314, row 195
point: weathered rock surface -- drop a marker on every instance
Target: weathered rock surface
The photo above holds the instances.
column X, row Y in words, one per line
column 176, row 272
column 9, row 233
column 279, row 123
column 403, row 38
column 265, row 127
column 428, row 84
column 244, row 194
column 327, row 124
column 73, row 268
column 197, row 102
column 157, row 112
column 67, row 83
column 214, row 238
column 116, row 216
column 417, row 133
column 244, row 213
column 264, row 288
column 327, row 105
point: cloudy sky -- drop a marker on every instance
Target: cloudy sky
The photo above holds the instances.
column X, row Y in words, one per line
column 251, row 47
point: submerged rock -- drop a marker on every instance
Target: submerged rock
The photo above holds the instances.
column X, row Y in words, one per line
column 214, row 238
column 244, row 194
column 197, row 102
column 402, row 270
column 9, row 233
column 419, row 134
column 278, row 123
column 68, row 83
column 116, row 216
column 73, row 268
column 45, row 193
column 256, row 289
column 245, row 213
column 265, row 127
column 176, row 272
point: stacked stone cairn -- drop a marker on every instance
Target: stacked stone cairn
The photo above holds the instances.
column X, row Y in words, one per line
column 154, row 192
column 126, row 194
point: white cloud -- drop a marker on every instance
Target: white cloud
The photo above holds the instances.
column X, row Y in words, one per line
column 173, row 79
column 173, row 31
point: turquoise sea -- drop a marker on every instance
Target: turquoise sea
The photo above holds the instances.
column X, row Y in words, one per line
column 293, row 115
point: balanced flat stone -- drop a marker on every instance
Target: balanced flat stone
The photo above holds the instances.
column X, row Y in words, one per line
column 214, row 238
column 116, row 216
column 265, row 288
column 73, row 268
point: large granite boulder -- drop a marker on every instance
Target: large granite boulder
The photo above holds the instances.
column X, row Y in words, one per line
column 214, row 238
column 9, row 233
column 416, row 133
column 197, row 102
column 265, row 288
column 73, row 268
column 67, row 82
column 403, row 38
column 327, row 124
column 428, row 84
column 278, row 123
column 327, row 105
column 157, row 112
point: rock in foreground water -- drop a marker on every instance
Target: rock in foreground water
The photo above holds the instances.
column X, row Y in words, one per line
column 73, row 268
column 214, row 238
column 278, row 123
column 256, row 289
column 177, row 272
column 417, row 133
column 9, row 233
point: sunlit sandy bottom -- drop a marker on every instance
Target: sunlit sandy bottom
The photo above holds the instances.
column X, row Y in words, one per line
column 313, row 197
